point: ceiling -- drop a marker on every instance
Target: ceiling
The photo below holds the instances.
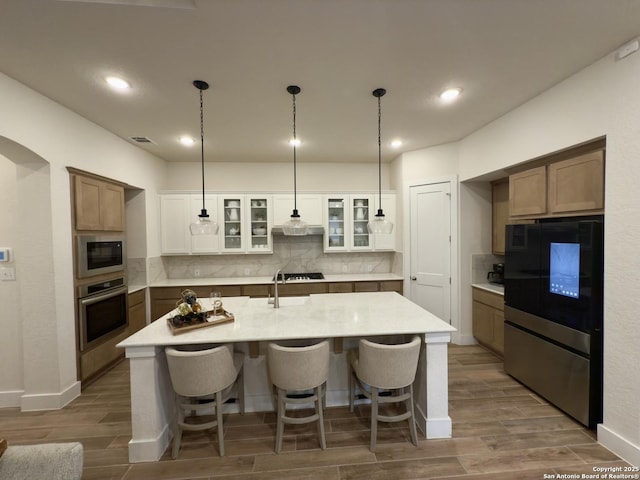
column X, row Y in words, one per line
column 500, row 52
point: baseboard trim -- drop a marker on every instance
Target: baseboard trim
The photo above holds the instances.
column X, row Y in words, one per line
column 619, row 445
column 49, row 401
column 11, row 398
column 149, row 450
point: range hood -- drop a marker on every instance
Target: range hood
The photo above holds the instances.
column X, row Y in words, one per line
column 312, row 230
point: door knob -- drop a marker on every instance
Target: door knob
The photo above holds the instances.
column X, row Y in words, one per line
column 414, row 278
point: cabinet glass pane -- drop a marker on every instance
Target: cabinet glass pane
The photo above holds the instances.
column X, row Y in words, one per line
column 259, row 229
column 360, row 220
column 232, row 223
column 336, row 222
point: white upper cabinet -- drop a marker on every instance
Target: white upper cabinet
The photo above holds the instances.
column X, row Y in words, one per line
column 259, row 223
column 361, row 211
column 205, row 244
column 175, row 237
column 246, row 220
column 346, row 218
column 336, row 223
column 231, row 212
column 384, row 241
column 177, row 211
column 309, row 208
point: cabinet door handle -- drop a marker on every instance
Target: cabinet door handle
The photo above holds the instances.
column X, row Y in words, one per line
column 414, row 278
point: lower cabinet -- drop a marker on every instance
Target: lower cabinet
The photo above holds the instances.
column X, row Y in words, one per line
column 488, row 319
column 164, row 299
column 137, row 311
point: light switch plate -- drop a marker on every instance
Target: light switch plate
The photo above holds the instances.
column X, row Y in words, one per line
column 7, row 274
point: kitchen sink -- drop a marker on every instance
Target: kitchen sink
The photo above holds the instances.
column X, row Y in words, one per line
column 284, row 301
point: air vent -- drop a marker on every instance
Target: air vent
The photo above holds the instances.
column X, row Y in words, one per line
column 141, row 140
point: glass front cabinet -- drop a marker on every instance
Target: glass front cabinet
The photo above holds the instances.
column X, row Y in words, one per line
column 230, row 218
column 336, row 213
column 259, row 220
column 361, row 210
column 346, row 218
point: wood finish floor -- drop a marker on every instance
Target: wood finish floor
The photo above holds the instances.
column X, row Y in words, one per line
column 501, row 430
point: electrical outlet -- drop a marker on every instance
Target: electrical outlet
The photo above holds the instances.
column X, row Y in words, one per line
column 7, row 274
column 196, row 272
column 369, row 268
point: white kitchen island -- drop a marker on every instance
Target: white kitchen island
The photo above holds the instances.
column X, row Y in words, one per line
column 347, row 316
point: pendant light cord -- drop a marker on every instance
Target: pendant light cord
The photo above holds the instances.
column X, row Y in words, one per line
column 202, row 145
column 295, row 206
column 379, row 157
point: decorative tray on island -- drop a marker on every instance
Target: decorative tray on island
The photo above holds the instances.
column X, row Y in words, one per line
column 190, row 315
column 186, row 323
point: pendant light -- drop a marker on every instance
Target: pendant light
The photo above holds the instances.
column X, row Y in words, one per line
column 203, row 226
column 294, row 226
column 379, row 224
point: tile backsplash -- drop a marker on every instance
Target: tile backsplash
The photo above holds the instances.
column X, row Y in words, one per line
column 291, row 254
column 481, row 264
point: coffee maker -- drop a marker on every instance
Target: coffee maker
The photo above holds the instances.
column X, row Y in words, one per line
column 497, row 274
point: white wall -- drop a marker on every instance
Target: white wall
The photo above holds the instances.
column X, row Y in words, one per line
column 602, row 99
column 10, row 351
column 311, row 177
column 42, row 138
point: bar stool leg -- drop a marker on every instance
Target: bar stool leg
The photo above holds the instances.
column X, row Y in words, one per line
column 220, row 426
column 412, row 420
column 280, row 422
column 323, row 443
column 374, row 418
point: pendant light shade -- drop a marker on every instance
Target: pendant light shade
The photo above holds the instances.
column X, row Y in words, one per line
column 204, row 225
column 379, row 224
column 295, row 226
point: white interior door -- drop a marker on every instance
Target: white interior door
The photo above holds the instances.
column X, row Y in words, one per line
column 430, row 248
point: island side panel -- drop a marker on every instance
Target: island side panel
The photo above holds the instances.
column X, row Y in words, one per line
column 431, row 387
column 152, row 404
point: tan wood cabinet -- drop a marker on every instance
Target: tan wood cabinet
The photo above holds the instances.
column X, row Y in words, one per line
column 574, row 186
column 99, row 205
column 528, row 192
column 577, row 184
column 488, row 319
column 137, row 311
column 499, row 214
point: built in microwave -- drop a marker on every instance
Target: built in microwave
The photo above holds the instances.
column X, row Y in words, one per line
column 99, row 254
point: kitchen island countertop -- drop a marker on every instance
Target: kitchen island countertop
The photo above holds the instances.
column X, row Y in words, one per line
column 336, row 316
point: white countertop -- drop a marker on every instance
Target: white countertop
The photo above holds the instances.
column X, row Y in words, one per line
column 320, row 316
column 490, row 287
column 205, row 281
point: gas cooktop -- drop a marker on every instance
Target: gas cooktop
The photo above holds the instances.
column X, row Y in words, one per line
column 302, row 277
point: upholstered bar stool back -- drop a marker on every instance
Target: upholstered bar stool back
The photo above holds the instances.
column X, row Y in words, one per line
column 377, row 367
column 298, row 369
column 213, row 373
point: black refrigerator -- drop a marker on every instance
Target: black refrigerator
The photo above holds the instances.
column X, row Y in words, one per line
column 553, row 287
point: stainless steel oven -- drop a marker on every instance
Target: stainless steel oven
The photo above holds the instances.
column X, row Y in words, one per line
column 102, row 310
column 100, row 254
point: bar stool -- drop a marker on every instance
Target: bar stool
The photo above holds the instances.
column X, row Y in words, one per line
column 198, row 375
column 377, row 367
column 295, row 369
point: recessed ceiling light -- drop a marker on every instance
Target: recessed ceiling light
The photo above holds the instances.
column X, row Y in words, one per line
column 294, row 143
column 450, row 94
column 187, row 141
column 118, row 83
column 396, row 143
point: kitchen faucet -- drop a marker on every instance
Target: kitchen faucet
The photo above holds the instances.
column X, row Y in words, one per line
column 275, row 301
